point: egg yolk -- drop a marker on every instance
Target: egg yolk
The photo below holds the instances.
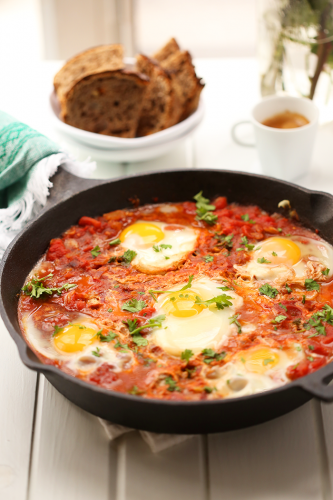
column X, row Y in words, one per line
column 74, row 338
column 182, row 304
column 259, row 360
column 149, row 233
column 279, row 251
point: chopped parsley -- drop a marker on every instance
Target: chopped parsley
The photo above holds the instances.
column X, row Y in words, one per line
column 245, row 242
column 57, row 329
column 303, row 299
column 211, row 355
column 204, row 209
column 110, row 310
column 128, row 256
column 134, row 305
column 135, row 391
column 234, row 319
column 172, row 385
column 115, row 242
column 186, row 355
column 311, row 284
column 274, row 254
column 262, row 260
column 283, row 307
column 224, row 240
column 208, row 389
column 35, row 288
column 316, row 321
column 208, row 258
column 152, row 323
column 268, row 360
column 289, row 290
column 139, row 340
column 246, row 218
column 185, row 287
column 97, row 352
column 106, row 338
column 159, row 248
column 221, row 301
column 310, row 358
column 268, row 290
column 311, row 347
column 279, row 318
column 95, row 251
column 325, row 272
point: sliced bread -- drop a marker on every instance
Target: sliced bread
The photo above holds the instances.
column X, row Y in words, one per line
column 95, row 60
column 169, row 49
column 108, row 103
column 158, row 108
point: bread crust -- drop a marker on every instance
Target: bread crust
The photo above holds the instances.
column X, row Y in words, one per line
column 169, row 49
column 107, row 103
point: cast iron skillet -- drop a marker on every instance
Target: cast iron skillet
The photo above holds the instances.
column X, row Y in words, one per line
column 73, row 197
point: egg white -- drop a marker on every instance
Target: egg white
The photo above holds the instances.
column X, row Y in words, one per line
column 81, row 361
column 313, row 250
column 148, row 260
column 206, row 330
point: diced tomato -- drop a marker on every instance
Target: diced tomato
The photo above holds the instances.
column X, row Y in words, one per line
column 220, row 202
column 189, row 207
column 89, row 221
column 147, row 312
column 104, row 375
column 319, row 348
column 304, row 368
column 57, row 249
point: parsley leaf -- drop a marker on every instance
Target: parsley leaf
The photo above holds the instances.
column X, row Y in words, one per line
column 159, row 248
column 221, row 301
column 186, row 355
column 152, row 323
column 311, row 284
column 95, row 251
column 268, row 290
column 110, row 310
column 172, row 384
column 235, row 320
column 35, row 288
column 283, row 307
column 209, row 389
column 97, row 352
column 274, row 254
column 134, row 305
column 139, row 340
column 268, row 360
column 262, row 260
column 279, row 318
column 245, row 217
column 316, row 320
column 135, row 391
column 115, row 242
column 289, row 290
column 303, row 299
column 208, row 258
column 57, row 329
column 326, row 271
column 131, row 324
column 128, row 256
column 185, row 287
column 204, row 209
column 224, row 240
column 210, row 355
column 106, row 338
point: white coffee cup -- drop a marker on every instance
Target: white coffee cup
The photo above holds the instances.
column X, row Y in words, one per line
column 283, row 153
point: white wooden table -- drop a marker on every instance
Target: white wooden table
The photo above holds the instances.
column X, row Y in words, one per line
column 50, row 449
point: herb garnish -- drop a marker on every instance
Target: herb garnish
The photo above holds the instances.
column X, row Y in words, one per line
column 134, row 305
column 316, row 321
column 204, row 209
column 262, row 260
column 35, row 288
column 224, row 240
column 159, row 248
column 311, row 284
column 235, row 320
column 115, row 242
column 268, row 360
column 221, row 301
column 279, row 318
column 268, row 290
column 274, row 254
column 185, row 287
column 186, row 355
column 246, row 218
column 97, row 352
column 211, row 355
column 172, row 384
column 208, row 258
column 152, row 323
column 106, row 338
column 325, row 272
column 245, row 242
column 57, row 329
column 289, row 290
column 128, row 256
column 209, row 389
column 95, row 251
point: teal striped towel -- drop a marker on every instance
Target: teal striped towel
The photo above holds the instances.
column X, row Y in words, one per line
column 28, row 160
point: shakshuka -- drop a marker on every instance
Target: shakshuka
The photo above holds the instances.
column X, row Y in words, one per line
column 183, row 301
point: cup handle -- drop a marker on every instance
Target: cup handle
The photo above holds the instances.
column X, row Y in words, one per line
column 236, row 139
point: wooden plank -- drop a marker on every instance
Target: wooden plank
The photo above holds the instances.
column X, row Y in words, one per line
column 71, row 453
column 178, row 472
column 17, row 396
column 277, row 460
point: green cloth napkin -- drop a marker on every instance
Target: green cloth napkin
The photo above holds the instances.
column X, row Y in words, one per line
column 21, row 147
column 28, row 160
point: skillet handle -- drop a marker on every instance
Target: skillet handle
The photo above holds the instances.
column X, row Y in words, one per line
column 66, row 184
column 316, row 384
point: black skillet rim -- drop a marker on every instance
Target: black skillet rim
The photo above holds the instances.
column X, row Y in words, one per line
column 307, row 383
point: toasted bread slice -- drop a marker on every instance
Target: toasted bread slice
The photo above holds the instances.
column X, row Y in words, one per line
column 107, row 103
column 185, row 82
column 158, row 108
column 95, row 60
column 169, row 49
